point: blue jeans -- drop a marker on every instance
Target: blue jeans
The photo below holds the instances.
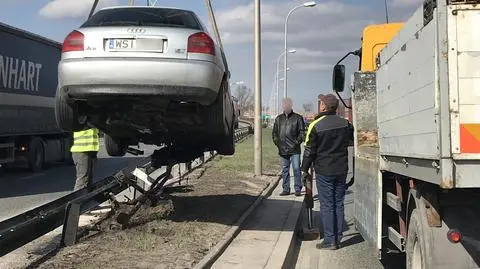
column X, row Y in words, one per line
column 331, row 194
column 297, row 174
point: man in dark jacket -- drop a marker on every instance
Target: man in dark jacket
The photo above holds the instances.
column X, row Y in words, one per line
column 326, row 146
column 288, row 134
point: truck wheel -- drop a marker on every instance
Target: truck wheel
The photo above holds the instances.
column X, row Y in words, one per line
column 67, row 116
column 36, row 155
column 415, row 246
column 114, row 148
column 69, row 159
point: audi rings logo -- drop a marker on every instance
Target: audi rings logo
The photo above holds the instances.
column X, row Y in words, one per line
column 136, row 30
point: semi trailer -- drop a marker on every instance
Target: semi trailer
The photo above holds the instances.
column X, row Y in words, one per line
column 29, row 135
column 416, row 113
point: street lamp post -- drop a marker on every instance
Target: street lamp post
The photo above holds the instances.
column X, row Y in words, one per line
column 278, row 71
column 306, row 4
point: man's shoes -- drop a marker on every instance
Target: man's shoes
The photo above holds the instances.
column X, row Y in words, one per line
column 297, row 193
column 327, row 246
column 284, row 193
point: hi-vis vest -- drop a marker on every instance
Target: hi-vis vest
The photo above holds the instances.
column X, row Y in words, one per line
column 310, row 128
column 85, row 141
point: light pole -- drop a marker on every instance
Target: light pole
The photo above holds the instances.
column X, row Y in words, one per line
column 257, row 145
column 277, row 93
column 278, row 71
column 306, row 4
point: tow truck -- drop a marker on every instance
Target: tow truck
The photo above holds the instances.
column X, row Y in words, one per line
column 416, row 113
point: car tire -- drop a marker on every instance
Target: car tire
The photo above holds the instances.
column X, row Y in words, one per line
column 415, row 247
column 66, row 115
column 216, row 112
column 36, row 155
column 114, row 147
column 226, row 145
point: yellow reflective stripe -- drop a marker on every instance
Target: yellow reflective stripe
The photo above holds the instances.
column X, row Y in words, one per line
column 310, row 128
column 89, row 137
column 85, row 141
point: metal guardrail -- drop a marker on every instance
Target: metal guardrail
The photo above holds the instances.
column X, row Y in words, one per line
column 28, row 226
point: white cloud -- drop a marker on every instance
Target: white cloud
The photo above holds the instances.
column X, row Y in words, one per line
column 59, row 9
column 311, row 66
column 321, row 36
column 406, row 3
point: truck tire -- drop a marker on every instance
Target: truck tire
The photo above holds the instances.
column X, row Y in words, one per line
column 69, row 159
column 66, row 116
column 114, row 148
column 415, row 246
column 36, row 155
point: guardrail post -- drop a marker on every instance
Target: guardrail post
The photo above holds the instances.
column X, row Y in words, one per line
column 70, row 224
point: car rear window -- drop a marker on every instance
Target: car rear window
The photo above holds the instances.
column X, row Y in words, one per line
column 164, row 17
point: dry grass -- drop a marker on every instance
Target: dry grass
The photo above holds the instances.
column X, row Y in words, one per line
column 202, row 213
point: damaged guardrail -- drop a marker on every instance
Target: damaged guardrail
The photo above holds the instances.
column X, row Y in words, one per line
column 28, row 226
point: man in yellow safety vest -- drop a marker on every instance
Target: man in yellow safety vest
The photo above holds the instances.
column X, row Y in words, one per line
column 84, row 152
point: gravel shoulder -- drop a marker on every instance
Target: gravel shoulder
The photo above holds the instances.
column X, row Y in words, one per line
column 183, row 229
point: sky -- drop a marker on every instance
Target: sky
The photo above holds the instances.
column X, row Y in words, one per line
column 320, row 35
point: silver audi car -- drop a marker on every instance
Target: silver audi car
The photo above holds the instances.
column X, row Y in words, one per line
column 146, row 74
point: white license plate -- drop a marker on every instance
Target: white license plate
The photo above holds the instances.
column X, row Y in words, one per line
column 121, row 44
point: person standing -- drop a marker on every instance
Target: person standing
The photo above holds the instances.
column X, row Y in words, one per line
column 288, row 135
column 326, row 147
column 84, row 152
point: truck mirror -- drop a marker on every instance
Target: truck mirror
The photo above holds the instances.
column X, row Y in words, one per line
column 338, row 79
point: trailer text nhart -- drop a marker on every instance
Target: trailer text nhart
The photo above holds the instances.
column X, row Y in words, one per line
column 19, row 74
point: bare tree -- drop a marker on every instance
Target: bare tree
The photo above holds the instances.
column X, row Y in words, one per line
column 245, row 97
column 308, row 107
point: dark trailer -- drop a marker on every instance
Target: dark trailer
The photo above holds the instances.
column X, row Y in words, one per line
column 29, row 135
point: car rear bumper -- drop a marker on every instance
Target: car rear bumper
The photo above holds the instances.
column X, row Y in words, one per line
column 182, row 80
column 174, row 93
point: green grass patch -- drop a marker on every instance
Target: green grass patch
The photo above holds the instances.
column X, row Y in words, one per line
column 243, row 160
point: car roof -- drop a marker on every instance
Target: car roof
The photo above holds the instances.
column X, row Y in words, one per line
column 153, row 7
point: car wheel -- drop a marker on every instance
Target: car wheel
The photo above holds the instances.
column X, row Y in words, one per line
column 226, row 144
column 114, row 147
column 216, row 112
column 416, row 258
column 67, row 116
column 36, row 155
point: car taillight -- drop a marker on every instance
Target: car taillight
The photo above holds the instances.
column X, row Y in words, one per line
column 73, row 42
column 201, row 43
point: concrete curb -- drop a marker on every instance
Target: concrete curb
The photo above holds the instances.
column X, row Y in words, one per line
column 279, row 258
column 220, row 247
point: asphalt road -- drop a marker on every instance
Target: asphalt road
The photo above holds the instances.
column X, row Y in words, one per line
column 21, row 191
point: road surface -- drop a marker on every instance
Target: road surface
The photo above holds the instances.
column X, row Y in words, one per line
column 22, row 191
column 355, row 252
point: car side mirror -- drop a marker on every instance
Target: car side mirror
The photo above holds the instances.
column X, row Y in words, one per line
column 338, row 79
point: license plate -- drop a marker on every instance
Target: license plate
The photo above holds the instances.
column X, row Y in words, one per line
column 121, row 44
